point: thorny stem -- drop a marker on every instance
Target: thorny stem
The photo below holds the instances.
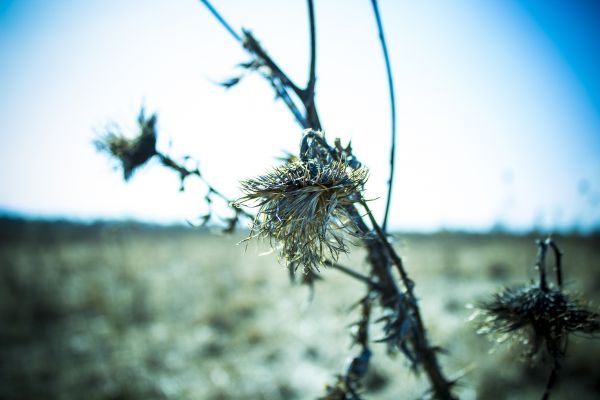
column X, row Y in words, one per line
column 440, row 386
column 376, row 257
column 252, row 45
column 392, row 110
column 406, row 281
column 279, row 80
column 360, row 364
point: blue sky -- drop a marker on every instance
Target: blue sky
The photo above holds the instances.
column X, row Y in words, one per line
column 498, row 104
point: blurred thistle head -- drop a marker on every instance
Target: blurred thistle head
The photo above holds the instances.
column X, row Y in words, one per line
column 539, row 313
column 131, row 153
column 302, row 208
column 537, row 316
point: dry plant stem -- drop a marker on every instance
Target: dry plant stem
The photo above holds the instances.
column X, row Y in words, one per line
column 558, row 257
column 359, row 366
column 185, row 172
column 308, row 95
column 376, row 255
column 543, row 246
column 388, row 69
column 377, row 246
column 551, row 380
column 219, row 18
column 541, row 264
column 441, row 387
column 310, row 120
column 279, row 80
column 371, row 283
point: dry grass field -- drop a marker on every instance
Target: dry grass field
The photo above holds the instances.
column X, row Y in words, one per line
column 126, row 311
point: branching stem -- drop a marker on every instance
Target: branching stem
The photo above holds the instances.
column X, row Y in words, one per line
column 440, row 386
column 185, row 172
column 371, row 283
column 378, row 247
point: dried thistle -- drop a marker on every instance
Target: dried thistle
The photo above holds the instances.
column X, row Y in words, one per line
column 302, row 208
column 132, row 153
column 539, row 314
column 536, row 316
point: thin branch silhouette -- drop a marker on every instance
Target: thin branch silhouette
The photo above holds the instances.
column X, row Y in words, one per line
column 388, row 69
column 219, row 18
column 308, row 95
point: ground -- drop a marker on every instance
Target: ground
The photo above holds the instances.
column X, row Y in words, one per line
column 129, row 311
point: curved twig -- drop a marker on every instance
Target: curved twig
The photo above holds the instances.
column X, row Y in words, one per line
column 393, row 113
column 219, row 18
column 308, row 95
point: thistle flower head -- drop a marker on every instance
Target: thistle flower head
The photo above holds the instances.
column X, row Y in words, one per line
column 131, row 153
column 302, row 208
column 537, row 316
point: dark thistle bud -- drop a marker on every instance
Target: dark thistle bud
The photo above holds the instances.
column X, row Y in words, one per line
column 537, row 317
column 131, row 153
column 539, row 313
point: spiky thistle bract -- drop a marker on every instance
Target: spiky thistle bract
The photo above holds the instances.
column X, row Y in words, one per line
column 302, row 209
column 131, row 153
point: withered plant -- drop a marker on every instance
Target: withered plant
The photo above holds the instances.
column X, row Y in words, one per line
column 311, row 207
column 539, row 315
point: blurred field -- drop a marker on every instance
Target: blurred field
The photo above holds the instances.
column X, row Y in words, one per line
column 126, row 311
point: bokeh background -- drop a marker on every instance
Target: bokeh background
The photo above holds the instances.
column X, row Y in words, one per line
column 106, row 294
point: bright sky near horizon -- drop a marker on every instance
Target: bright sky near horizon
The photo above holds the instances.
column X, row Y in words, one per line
column 498, row 104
